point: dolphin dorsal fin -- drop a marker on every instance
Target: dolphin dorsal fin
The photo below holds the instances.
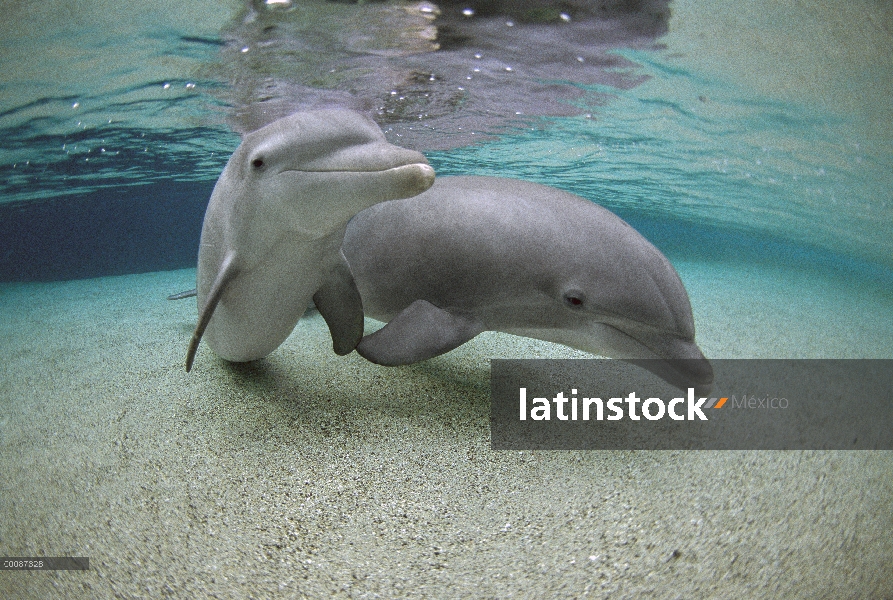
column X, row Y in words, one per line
column 224, row 276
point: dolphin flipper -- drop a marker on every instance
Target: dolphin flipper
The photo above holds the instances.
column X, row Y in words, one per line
column 224, row 275
column 420, row 332
column 187, row 294
column 339, row 303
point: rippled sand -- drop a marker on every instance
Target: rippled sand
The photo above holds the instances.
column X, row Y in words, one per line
column 309, row 474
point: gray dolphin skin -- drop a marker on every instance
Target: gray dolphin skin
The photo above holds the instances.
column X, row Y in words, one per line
column 274, row 225
column 476, row 254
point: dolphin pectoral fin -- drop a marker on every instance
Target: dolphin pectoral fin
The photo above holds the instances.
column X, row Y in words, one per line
column 420, row 332
column 224, row 276
column 181, row 295
column 339, row 303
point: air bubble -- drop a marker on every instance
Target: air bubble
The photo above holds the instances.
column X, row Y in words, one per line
column 279, row 5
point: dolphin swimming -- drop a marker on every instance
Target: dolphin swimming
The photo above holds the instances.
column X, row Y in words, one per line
column 273, row 229
column 474, row 254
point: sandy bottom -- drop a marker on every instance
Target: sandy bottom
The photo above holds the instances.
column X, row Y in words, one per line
column 308, row 474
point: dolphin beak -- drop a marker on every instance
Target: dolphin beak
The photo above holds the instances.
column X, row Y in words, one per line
column 680, row 363
column 683, row 373
column 371, row 157
column 674, row 359
column 408, row 170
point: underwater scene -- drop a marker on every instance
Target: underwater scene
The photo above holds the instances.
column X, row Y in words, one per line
column 750, row 143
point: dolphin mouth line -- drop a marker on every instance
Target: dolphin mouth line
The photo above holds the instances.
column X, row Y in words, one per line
column 676, row 364
column 657, row 354
column 354, row 170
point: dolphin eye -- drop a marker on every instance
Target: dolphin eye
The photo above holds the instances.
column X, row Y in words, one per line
column 574, row 299
column 257, row 163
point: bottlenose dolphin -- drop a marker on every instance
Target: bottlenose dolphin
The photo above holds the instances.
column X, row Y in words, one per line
column 476, row 254
column 274, row 225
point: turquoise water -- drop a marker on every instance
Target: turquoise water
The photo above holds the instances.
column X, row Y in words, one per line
column 751, row 141
column 751, row 170
column 114, row 131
